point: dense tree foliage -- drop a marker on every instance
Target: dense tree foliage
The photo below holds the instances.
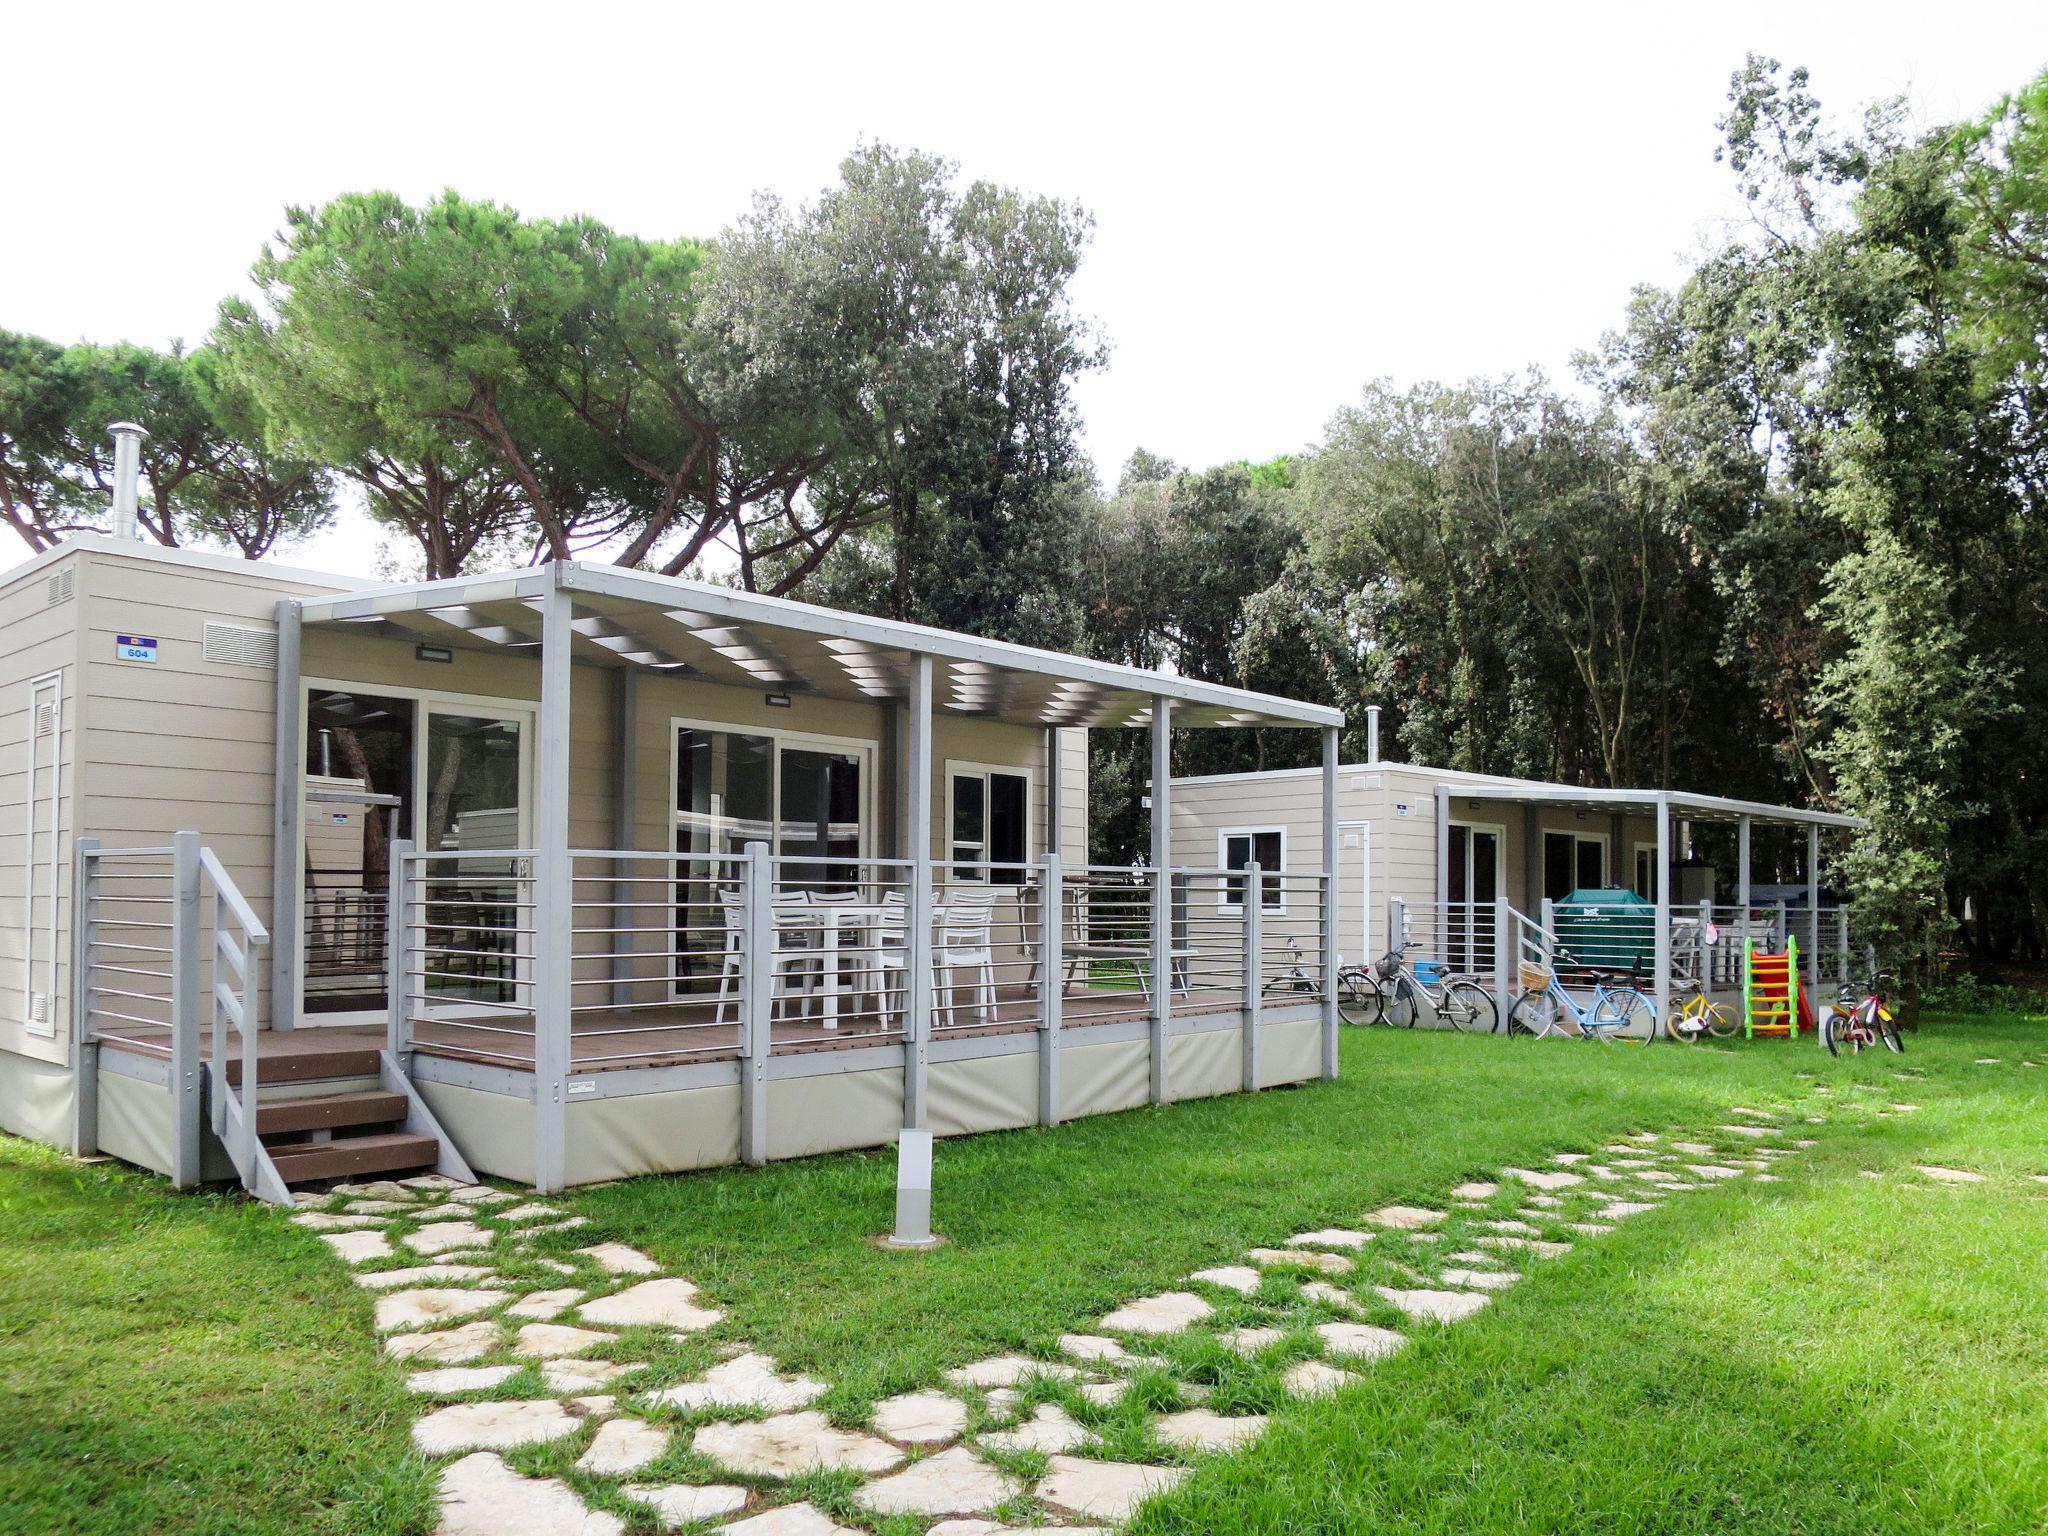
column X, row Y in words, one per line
column 1779, row 538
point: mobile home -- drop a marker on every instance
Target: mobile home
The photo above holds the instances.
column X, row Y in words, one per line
column 571, row 872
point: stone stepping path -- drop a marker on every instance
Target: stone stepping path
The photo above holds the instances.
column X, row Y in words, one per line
column 502, row 1363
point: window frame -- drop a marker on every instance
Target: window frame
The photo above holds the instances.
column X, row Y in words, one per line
column 1224, row 904
column 963, row 768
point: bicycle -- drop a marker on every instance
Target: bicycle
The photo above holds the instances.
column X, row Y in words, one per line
column 1296, row 980
column 1617, row 1010
column 1695, row 1016
column 1396, row 992
column 1855, row 1024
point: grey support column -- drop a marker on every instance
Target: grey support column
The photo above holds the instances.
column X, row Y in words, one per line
column 626, row 835
column 1742, row 868
column 917, row 946
column 1053, row 808
column 1253, row 906
column 288, row 789
column 553, row 915
column 186, row 1099
column 757, row 1003
column 1812, row 955
column 1443, row 849
column 1532, row 860
column 1663, row 887
column 1329, row 901
column 1052, row 986
column 85, row 1045
column 1162, row 891
column 398, row 957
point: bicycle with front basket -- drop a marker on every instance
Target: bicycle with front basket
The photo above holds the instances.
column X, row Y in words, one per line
column 1619, row 1011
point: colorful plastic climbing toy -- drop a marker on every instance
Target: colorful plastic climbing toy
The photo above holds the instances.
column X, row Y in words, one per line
column 1773, row 1002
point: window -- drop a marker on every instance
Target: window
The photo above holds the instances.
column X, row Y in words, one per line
column 988, row 819
column 1646, row 871
column 1573, row 861
column 1265, row 847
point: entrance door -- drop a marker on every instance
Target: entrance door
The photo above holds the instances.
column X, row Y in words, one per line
column 394, row 763
column 1354, row 884
column 1476, row 879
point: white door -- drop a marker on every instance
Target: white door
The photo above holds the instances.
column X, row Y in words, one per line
column 1354, row 885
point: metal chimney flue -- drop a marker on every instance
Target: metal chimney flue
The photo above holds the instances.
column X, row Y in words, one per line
column 1372, row 733
column 127, row 467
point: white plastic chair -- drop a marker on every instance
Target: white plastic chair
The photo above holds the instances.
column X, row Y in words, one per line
column 966, row 943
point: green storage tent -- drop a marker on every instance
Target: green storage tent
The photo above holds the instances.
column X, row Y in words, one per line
column 1607, row 930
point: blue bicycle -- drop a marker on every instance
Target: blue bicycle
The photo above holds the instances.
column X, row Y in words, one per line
column 1619, row 1012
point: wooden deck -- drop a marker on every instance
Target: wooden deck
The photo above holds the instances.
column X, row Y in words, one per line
column 603, row 1039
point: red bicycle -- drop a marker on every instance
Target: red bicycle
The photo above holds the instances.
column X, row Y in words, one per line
column 1854, row 1023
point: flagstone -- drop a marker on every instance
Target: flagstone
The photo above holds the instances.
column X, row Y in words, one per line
column 1200, row 1429
column 1300, row 1258
column 1095, row 1348
column 1521, row 1227
column 1754, row 1114
column 662, row 1303
column 1330, row 1237
column 358, row 1247
column 1589, row 1228
column 1713, row 1171
column 1104, row 1393
column 1405, row 1218
column 1480, row 1279
column 446, row 1346
column 787, row 1520
column 557, row 1339
column 746, row 1381
column 1535, row 1245
column 1545, row 1181
column 1469, row 1256
column 1312, row 1378
column 1436, row 1306
column 1168, row 1312
column 528, row 1212
column 414, row 1309
column 432, row 1181
column 554, row 1226
column 452, row 1380
column 618, row 1259
column 545, row 1306
column 1050, row 1428
column 1328, row 1294
column 1232, row 1277
column 1104, row 1490
column 622, row 1446
column 379, row 1207
column 1360, row 1340
column 1693, row 1148
column 481, row 1496
column 1475, row 1189
column 1950, row 1175
column 1568, row 1158
column 572, row 1376
column 792, row 1443
column 921, row 1418
column 445, row 1236
column 492, row 1426
column 329, row 1221
column 1754, row 1132
column 689, row 1503
column 479, row 1194
column 1249, row 1341
column 377, row 1189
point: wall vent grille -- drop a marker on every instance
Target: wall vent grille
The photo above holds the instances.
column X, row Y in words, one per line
column 46, row 719
column 61, row 586
column 231, row 645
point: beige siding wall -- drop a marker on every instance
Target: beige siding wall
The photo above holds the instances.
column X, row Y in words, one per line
column 38, row 636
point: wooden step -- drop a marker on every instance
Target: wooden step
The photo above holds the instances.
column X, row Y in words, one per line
column 389, row 1152
column 308, row 1064
column 333, row 1111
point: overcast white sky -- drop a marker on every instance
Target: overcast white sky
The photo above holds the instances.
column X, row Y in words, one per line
column 1290, row 200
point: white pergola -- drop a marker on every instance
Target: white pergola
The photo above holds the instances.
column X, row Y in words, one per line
column 1662, row 806
column 635, row 623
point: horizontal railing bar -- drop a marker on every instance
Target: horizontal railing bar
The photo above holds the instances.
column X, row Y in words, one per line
column 130, row 1018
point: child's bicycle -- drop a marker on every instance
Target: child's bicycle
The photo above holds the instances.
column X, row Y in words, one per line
column 1853, row 1022
column 1695, row 1016
column 1619, row 1012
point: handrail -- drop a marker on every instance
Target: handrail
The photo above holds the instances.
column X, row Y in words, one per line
column 224, row 887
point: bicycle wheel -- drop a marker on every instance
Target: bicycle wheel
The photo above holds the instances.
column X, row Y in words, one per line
column 1830, row 1024
column 1534, row 1013
column 1689, row 1024
column 1624, row 1016
column 1470, row 1008
column 1720, row 1020
column 1888, row 1031
column 1400, row 1005
column 1359, row 999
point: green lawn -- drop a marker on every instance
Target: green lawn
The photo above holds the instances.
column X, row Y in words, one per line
column 1827, row 1353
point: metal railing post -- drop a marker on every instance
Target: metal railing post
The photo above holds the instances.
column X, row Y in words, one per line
column 1549, row 916
column 397, row 946
column 252, row 955
column 757, row 1004
column 1501, row 943
column 1842, row 941
column 1328, row 893
column 1052, row 986
column 1781, row 928
column 85, row 1045
column 186, row 1095
column 1397, row 926
column 1254, row 905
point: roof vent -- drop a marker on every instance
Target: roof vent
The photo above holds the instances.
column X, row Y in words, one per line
column 232, row 645
column 62, row 585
